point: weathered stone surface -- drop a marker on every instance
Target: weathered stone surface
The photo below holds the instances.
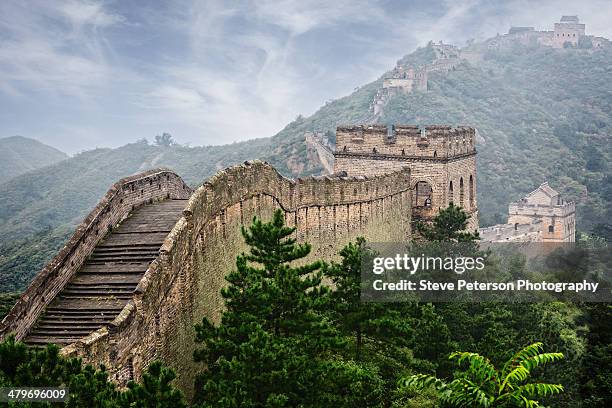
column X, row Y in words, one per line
column 541, row 216
column 125, row 195
column 182, row 285
column 441, row 156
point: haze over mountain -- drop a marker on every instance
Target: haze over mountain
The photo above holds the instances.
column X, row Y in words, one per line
column 94, row 73
column 20, row 154
column 542, row 114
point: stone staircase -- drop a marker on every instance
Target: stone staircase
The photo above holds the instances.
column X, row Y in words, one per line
column 107, row 280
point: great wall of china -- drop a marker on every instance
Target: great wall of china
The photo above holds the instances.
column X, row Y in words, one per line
column 141, row 282
column 407, row 78
column 150, row 259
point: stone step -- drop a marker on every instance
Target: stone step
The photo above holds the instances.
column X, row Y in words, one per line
column 110, row 285
column 104, row 284
column 127, row 248
column 98, row 292
column 44, row 340
column 136, row 267
column 117, row 259
column 134, row 239
column 125, row 255
column 97, row 296
column 61, row 333
column 94, row 321
column 77, row 306
column 74, row 326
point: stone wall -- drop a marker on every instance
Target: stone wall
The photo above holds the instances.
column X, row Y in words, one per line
column 512, row 233
column 183, row 285
column 406, row 140
column 121, row 198
column 323, row 150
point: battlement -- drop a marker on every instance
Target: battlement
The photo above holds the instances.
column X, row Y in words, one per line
column 435, row 142
column 512, row 232
column 560, row 210
column 183, row 281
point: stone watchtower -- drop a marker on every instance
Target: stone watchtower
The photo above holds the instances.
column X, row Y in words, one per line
column 569, row 30
column 545, row 207
column 442, row 162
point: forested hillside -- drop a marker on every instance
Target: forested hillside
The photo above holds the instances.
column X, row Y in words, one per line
column 542, row 114
column 19, row 155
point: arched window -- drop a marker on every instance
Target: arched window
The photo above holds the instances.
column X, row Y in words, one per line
column 471, row 192
column 423, row 194
column 516, row 224
column 551, row 228
column 461, row 195
column 435, row 153
column 450, row 192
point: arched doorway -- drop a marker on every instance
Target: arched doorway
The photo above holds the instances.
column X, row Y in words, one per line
column 423, row 195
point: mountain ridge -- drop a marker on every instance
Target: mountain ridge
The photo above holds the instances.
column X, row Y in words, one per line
column 542, row 114
column 19, row 154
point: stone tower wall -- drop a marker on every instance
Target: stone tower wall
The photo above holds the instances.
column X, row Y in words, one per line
column 561, row 217
column 437, row 155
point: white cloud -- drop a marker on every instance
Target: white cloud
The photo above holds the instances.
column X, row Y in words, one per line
column 54, row 47
column 88, row 12
column 219, row 71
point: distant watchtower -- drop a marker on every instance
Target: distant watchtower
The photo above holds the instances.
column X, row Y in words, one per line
column 544, row 206
column 442, row 160
column 569, row 30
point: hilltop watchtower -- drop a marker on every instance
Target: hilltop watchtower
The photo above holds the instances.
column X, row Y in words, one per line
column 545, row 206
column 442, row 162
column 569, row 30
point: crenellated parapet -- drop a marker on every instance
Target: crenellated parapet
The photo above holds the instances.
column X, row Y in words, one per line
column 182, row 285
column 434, row 142
column 561, row 210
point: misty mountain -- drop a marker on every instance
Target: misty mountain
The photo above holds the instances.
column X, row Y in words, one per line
column 19, row 155
column 542, row 114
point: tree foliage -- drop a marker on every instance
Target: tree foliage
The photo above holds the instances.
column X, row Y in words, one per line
column 274, row 346
column 22, row 366
column 449, row 225
column 481, row 384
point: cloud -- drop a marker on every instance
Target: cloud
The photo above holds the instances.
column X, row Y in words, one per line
column 54, row 47
column 88, row 13
column 213, row 72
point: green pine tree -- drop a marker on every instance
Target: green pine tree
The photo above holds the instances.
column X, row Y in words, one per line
column 448, row 226
column 384, row 335
column 155, row 391
column 274, row 347
column 22, row 366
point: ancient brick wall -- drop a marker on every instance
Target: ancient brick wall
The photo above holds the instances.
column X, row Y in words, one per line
column 512, row 233
column 183, row 285
column 123, row 197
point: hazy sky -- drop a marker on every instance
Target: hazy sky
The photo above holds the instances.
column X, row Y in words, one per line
column 84, row 74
